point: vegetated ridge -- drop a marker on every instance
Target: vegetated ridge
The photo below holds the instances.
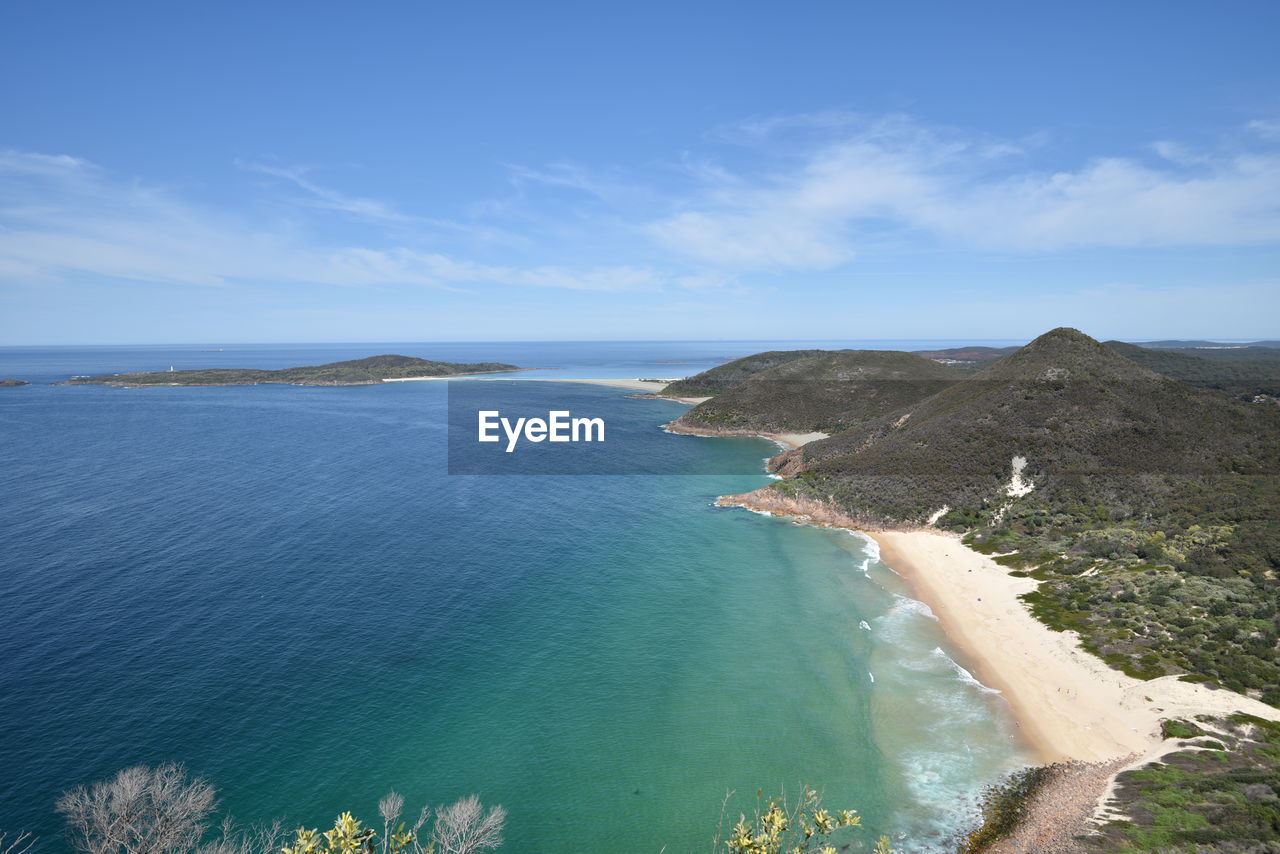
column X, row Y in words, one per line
column 373, row 369
column 972, row 358
column 730, row 374
column 825, row 392
column 1240, row 372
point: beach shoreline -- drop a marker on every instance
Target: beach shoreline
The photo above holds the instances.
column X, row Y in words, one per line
column 650, row 387
column 1074, row 712
column 1069, row 705
column 787, row 441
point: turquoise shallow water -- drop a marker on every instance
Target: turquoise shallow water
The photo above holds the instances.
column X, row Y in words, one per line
column 283, row 589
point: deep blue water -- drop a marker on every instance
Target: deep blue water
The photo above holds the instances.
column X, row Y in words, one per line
column 284, row 589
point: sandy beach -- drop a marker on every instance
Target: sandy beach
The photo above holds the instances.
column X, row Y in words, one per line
column 654, row 386
column 651, row 386
column 1069, row 705
column 788, row 441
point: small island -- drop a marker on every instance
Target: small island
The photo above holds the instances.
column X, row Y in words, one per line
column 368, row 371
column 12, row 383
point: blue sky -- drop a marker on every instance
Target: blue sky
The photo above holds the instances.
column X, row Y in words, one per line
column 288, row 171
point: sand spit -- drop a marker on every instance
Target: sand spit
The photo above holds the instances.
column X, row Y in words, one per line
column 651, row 387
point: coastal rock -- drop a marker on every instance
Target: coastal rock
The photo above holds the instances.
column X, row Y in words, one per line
column 814, row 511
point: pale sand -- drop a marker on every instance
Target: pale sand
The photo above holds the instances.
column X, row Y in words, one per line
column 794, row 440
column 786, row 440
column 652, row 386
column 1069, row 704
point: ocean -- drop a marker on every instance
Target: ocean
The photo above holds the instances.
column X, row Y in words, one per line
column 284, row 589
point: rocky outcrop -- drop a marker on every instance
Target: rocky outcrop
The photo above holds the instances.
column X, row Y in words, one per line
column 813, row 511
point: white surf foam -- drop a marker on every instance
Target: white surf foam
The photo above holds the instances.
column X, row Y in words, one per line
column 965, row 675
column 905, row 605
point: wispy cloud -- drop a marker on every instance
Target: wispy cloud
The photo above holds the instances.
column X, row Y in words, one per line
column 865, row 181
column 63, row 215
column 793, row 193
column 326, row 198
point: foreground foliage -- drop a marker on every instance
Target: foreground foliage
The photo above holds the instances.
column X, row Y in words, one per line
column 463, row 828
column 164, row 810
column 779, row 827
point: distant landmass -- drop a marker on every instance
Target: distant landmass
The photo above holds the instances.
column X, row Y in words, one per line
column 1241, row 372
column 1209, row 345
column 967, row 358
column 374, row 369
column 11, row 383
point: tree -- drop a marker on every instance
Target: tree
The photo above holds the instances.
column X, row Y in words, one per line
column 141, row 810
column 465, row 828
column 776, row 827
column 461, row 828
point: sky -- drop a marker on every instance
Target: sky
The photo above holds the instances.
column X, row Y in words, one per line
column 414, row 171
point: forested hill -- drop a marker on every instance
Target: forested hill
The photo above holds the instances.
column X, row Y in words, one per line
column 1240, row 372
column 825, row 392
column 1065, row 403
column 373, row 369
column 1146, row 505
column 970, row 358
column 731, row 374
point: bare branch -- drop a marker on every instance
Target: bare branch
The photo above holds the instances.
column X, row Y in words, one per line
column 140, row 811
column 20, row 844
column 390, row 806
column 464, row 827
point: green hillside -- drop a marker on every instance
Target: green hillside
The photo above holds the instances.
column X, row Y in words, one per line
column 972, row 358
column 731, row 374
column 1164, row 493
column 373, row 369
column 1242, row 372
column 1211, row 345
column 825, row 392
column 1238, row 370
